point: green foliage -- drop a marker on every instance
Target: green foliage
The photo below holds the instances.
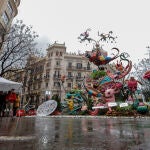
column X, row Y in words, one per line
column 136, row 104
column 57, row 99
column 146, row 93
column 90, row 103
column 142, row 109
column 96, row 74
column 103, row 111
column 124, row 109
column 83, row 112
column 74, row 91
column 119, row 97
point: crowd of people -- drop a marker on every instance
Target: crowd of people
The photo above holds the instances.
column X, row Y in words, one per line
column 9, row 103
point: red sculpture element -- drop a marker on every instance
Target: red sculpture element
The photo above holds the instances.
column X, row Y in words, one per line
column 31, row 112
column 20, row 112
column 99, row 59
column 94, row 112
column 11, row 96
column 147, row 75
column 88, row 79
column 56, row 112
column 119, row 66
column 109, row 94
column 85, row 36
column 121, row 74
column 118, row 85
column 132, row 84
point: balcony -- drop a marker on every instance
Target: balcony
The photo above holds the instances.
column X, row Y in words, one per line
column 79, row 78
column 78, row 68
column 56, row 88
column 57, row 66
column 89, row 68
column 70, row 77
column 58, row 57
column 46, row 77
column 56, row 76
column 70, row 67
column 73, row 68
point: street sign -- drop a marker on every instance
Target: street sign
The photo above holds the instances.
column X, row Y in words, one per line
column 112, row 104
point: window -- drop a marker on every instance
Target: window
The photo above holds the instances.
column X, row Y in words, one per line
column 56, row 84
column 35, row 77
column 57, row 53
column 46, row 85
column 34, row 87
column 10, row 10
column 29, row 88
column 88, row 66
column 40, row 76
column 48, row 64
column 79, row 85
column 70, row 65
column 47, row 74
column 69, row 85
column 69, row 74
column 79, row 66
column 57, row 63
column 5, row 18
column 51, row 53
column 41, row 68
column 79, row 74
column 57, row 73
column 39, row 86
column 60, row 53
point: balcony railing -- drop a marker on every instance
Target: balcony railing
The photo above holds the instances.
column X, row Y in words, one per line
column 74, row 77
column 78, row 68
column 57, row 66
column 56, row 76
column 79, row 78
column 70, row 77
column 46, row 77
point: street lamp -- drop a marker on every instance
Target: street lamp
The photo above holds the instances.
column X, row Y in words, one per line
column 47, row 93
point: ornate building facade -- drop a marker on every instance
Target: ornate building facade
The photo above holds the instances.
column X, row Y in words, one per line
column 43, row 75
column 8, row 10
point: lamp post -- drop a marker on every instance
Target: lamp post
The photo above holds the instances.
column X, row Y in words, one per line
column 47, row 93
column 60, row 80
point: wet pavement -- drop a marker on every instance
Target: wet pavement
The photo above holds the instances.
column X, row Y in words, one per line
column 74, row 133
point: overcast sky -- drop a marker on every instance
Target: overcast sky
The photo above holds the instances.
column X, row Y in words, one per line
column 64, row 20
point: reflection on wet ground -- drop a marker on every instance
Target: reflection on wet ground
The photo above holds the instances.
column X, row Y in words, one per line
column 79, row 133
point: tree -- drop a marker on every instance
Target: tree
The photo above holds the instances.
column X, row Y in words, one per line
column 18, row 45
column 140, row 69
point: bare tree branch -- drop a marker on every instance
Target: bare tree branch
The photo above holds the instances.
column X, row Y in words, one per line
column 18, row 45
